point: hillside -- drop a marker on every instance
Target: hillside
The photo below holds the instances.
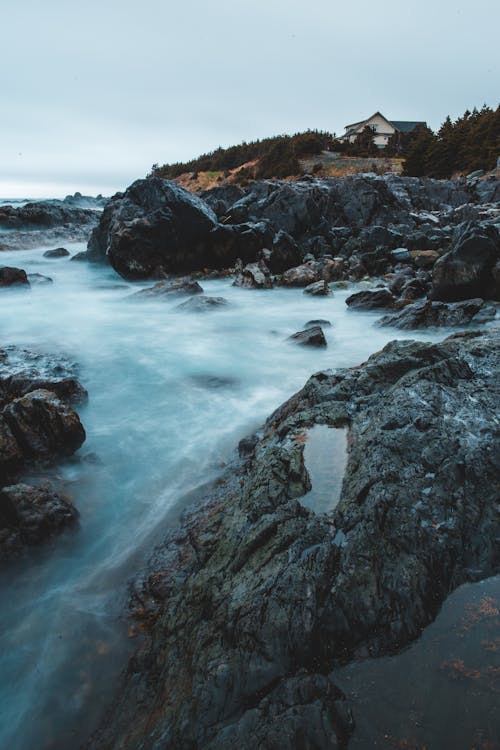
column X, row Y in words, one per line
column 469, row 143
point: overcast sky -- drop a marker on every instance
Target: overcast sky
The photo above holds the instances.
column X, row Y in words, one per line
column 94, row 93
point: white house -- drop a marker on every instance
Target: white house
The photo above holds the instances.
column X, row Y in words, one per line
column 382, row 129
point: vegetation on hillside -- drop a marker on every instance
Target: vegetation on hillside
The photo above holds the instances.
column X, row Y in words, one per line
column 274, row 157
column 471, row 142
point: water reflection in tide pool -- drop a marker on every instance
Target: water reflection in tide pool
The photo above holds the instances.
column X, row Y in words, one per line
column 443, row 692
column 325, row 458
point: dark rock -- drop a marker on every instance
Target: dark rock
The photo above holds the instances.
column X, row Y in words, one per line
column 29, row 516
column 44, row 214
column 253, row 599
column 425, row 314
column 244, row 241
column 170, row 288
column 467, row 270
column 57, row 252
column 254, row 276
column 318, row 289
column 300, row 276
column 36, row 279
column 201, row 303
column 285, row 253
column 44, row 426
column 370, row 300
column 313, row 336
column 83, row 255
column 154, row 228
column 321, row 323
column 400, row 253
column 10, row 276
column 11, row 456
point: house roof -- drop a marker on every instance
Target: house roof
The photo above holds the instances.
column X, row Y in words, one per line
column 406, row 126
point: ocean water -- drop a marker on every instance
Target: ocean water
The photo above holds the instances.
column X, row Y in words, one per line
column 171, row 394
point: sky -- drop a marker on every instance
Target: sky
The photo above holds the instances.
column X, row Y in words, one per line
column 92, row 94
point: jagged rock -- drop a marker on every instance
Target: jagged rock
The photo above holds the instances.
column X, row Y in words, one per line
column 254, row 276
column 253, row 584
column 11, row 456
column 312, row 336
column 201, row 303
column 44, row 426
column 424, row 258
column 10, row 276
column 43, row 214
column 467, row 270
column 370, row 300
column 300, row 276
column 170, row 288
column 285, row 253
column 318, row 289
column 29, row 516
column 425, row 314
column 154, row 228
column 57, row 252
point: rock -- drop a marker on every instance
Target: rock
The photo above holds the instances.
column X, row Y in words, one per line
column 474, row 175
column 320, row 322
column 424, row 258
column 254, row 276
column 400, row 253
column 11, row 456
column 38, row 279
column 370, row 300
column 44, row 426
column 313, row 336
column 318, row 289
column 81, row 256
column 57, row 252
column 171, row 288
column 29, row 516
column 467, row 270
column 300, row 276
column 252, row 583
column 285, row 253
column 425, row 314
column 201, row 303
column 45, row 214
column 153, row 229
column 10, row 276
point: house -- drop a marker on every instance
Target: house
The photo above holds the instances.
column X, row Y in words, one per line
column 382, row 129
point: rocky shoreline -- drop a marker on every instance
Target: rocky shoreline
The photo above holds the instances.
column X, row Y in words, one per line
column 37, row 427
column 253, row 601
column 248, row 606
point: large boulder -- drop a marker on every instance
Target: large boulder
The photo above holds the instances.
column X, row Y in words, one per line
column 300, row 276
column 170, row 288
column 249, row 605
column 154, row 228
column 470, row 268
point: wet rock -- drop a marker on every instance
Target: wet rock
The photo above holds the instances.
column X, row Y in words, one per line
column 320, row 322
column 83, row 255
column 170, row 288
column 467, row 270
column 254, row 276
column 300, row 276
column 57, row 252
column 400, row 254
column 29, row 516
column 253, row 600
column 11, row 456
column 424, row 258
column 10, row 276
column 424, row 314
column 370, row 300
column 318, row 289
column 38, row 279
column 202, row 303
column 285, row 253
column 312, row 336
column 44, row 426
